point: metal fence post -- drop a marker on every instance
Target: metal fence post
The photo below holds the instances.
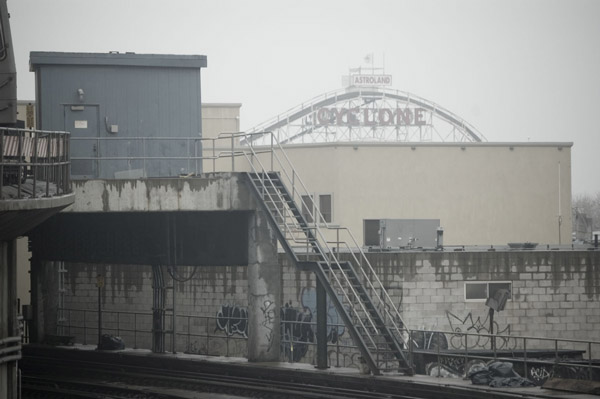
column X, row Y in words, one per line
column 494, row 346
column 84, row 328
column 272, row 151
column 525, row 355
column 438, row 362
column 466, row 353
column 590, row 361
column 337, row 347
column 135, row 330
column 214, row 160
column 232, row 156
column 556, row 361
column 47, row 166
column 227, row 338
column 188, row 333
column 410, row 349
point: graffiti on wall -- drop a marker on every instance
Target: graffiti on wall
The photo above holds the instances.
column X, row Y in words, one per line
column 268, row 312
column 297, row 323
column 351, row 359
column 335, row 324
column 232, row 319
column 296, row 332
column 472, row 325
column 539, row 374
column 429, row 340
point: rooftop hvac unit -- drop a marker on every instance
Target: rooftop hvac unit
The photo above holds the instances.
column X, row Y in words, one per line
column 389, row 234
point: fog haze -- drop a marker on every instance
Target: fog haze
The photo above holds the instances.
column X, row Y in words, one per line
column 516, row 70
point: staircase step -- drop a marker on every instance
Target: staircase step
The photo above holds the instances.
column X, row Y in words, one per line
column 343, row 279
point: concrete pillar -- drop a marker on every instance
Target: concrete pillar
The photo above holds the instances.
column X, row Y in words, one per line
column 44, row 298
column 8, row 319
column 264, row 291
column 321, row 325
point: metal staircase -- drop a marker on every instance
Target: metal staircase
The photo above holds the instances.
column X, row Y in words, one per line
column 333, row 254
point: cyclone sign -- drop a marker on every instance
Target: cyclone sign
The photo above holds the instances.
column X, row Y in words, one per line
column 369, row 117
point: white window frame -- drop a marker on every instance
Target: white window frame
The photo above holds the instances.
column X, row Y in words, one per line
column 318, row 196
column 487, row 289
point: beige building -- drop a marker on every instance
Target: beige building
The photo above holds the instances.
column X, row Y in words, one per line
column 368, row 162
column 482, row 193
column 220, row 118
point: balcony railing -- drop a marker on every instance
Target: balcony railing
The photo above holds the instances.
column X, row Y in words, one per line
column 34, row 163
column 135, row 157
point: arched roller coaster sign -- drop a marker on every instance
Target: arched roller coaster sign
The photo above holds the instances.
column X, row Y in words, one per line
column 368, row 116
column 357, row 113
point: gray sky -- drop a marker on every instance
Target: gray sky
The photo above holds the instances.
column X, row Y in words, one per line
column 516, row 70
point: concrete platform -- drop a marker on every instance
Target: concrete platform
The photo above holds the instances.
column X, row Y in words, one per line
column 404, row 382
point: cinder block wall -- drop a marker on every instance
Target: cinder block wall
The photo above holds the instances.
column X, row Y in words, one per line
column 204, row 297
column 554, row 294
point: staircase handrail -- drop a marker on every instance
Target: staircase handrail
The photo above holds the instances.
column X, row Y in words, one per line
column 326, row 260
column 298, row 189
column 374, row 289
column 318, row 218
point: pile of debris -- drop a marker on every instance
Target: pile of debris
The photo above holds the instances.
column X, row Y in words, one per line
column 496, row 374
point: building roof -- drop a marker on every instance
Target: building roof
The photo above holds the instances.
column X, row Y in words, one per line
column 38, row 58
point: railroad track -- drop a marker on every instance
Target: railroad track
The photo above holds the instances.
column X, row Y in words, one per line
column 50, row 388
column 93, row 374
column 47, row 377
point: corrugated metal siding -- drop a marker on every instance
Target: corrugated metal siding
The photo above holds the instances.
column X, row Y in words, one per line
column 142, row 101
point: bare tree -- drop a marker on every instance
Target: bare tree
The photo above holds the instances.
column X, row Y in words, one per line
column 586, row 215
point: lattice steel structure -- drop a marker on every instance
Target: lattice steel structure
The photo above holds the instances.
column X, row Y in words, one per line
column 366, row 114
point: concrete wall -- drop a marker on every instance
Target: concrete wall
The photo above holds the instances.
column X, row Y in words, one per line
column 483, row 193
column 156, row 222
column 207, row 192
column 555, row 295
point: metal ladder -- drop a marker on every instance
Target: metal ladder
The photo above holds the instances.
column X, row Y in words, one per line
column 333, row 254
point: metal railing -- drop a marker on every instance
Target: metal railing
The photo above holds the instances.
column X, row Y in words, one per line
column 196, row 334
column 525, row 351
column 37, row 162
column 136, row 328
column 331, row 238
column 10, row 349
column 452, row 350
column 139, row 153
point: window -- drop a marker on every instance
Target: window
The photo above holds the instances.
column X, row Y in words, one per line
column 325, row 207
column 308, row 208
column 481, row 291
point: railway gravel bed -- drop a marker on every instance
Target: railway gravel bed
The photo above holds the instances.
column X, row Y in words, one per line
column 121, row 375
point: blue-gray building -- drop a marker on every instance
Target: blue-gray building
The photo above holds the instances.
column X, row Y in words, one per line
column 130, row 115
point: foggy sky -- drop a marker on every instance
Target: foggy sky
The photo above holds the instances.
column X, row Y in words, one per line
column 516, row 70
